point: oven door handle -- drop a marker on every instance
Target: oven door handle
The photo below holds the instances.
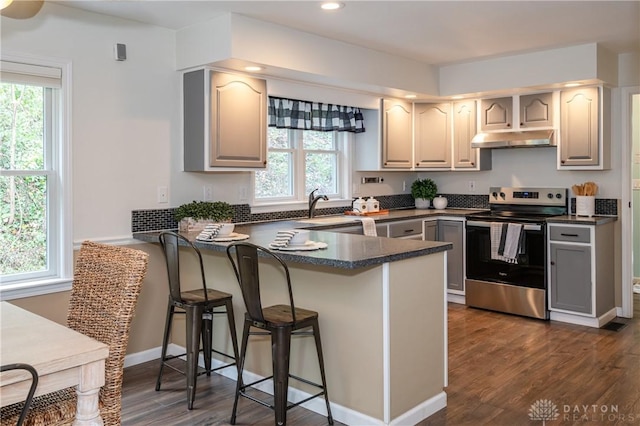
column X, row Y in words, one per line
column 525, row 227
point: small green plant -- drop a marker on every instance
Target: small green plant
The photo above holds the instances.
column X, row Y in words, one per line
column 424, row 188
column 218, row 211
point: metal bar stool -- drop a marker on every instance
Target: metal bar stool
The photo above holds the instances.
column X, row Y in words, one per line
column 281, row 322
column 198, row 306
column 32, row 388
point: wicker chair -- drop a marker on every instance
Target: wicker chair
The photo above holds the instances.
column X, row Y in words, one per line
column 107, row 282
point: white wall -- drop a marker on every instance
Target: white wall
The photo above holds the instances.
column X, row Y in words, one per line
column 124, row 116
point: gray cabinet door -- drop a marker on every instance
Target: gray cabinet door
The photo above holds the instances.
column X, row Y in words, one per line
column 536, row 110
column 579, row 127
column 397, row 140
column 570, row 286
column 497, row 114
column 452, row 232
column 431, row 230
column 432, row 127
column 238, row 121
column 464, row 129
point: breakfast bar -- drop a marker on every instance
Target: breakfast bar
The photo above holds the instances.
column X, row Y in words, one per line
column 382, row 311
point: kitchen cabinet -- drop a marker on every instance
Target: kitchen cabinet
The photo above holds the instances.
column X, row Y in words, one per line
column 536, row 110
column 581, row 274
column 397, row 134
column 464, row 129
column 432, row 132
column 496, row 114
column 411, row 229
column 450, row 231
column 585, row 129
column 224, row 121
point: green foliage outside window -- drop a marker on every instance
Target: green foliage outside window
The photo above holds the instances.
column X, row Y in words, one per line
column 23, row 234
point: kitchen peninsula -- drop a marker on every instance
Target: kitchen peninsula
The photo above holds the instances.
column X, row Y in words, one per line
column 382, row 307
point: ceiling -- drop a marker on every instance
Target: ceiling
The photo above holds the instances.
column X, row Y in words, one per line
column 433, row 32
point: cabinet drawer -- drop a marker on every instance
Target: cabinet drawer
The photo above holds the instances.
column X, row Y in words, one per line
column 402, row 229
column 567, row 233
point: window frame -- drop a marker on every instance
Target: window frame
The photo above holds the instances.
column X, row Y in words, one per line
column 57, row 168
column 299, row 200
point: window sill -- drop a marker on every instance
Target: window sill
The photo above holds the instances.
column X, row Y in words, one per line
column 34, row 288
column 298, row 205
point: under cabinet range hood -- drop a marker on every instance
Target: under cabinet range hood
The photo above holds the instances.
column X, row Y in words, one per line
column 529, row 138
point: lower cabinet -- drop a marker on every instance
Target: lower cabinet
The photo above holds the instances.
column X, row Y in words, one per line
column 571, row 277
column 451, row 231
column 581, row 273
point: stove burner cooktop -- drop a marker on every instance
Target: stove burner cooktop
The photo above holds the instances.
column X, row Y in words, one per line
column 524, row 204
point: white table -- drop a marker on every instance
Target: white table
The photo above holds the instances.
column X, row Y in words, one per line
column 63, row 358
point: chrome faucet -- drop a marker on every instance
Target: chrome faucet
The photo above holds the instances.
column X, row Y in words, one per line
column 313, row 200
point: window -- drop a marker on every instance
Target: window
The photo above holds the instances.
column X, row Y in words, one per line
column 299, row 161
column 34, row 180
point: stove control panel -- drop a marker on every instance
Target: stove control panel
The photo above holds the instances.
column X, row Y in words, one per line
column 528, row 196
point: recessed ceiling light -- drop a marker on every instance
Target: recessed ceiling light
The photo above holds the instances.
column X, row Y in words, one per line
column 332, row 5
column 410, row 96
column 253, row 68
column 457, row 97
column 572, row 85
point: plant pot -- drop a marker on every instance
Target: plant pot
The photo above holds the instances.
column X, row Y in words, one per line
column 189, row 224
column 422, row 203
column 440, row 203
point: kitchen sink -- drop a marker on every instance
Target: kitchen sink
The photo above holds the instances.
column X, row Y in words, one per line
column 328, row 220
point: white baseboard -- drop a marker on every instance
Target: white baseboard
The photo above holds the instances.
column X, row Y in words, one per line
column 456, row 298
column 422, row 411
column 583, row 320
column 340, row 413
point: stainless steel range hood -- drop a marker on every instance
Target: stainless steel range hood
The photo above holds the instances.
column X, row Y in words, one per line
column 529, row 138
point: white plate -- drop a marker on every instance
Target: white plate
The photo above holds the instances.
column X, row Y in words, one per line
column 308, row 246
column 231, row 237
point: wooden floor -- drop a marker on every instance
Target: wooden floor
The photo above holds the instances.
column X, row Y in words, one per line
column 499, row 365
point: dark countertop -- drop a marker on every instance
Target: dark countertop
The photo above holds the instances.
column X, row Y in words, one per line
column 344, row 251
column 582, row 220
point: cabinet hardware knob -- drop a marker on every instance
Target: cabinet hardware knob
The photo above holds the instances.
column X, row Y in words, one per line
column 264, row 162
column 522, row 124
column 473, row 164
column 552, row 263
column 561, row 161
column 508, row 124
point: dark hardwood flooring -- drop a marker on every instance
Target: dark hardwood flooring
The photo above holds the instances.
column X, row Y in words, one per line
column 499, row 365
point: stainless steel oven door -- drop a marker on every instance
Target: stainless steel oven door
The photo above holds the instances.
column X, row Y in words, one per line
column 518, row 288
column 529, row 271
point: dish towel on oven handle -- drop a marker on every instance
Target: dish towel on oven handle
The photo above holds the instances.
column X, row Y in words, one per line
column 368, row 226
column 506, row 241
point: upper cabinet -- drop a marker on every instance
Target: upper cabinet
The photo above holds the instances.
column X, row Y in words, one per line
column 585, row 129
column 396, row 131
column 464, row 129
column 421, row 136
column 225, row 121
column 432, row 144
column 536, row 110
column 496, row 114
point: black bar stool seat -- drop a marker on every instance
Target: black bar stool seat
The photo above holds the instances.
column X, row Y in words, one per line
column 199, row 307
column 281, row 322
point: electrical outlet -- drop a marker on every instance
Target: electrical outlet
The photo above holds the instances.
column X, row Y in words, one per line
column 404, row 185
column 472, row 185
column 207, row 193
column 243, row 193
column 162, row 194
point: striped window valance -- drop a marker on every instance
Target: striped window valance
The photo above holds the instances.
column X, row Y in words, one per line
column 296, row 114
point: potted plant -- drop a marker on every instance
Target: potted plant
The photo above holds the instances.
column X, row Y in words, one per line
column 423, row 191
column 194, row 216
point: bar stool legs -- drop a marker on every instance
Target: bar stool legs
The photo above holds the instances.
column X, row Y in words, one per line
column 200, row 324
column 280, row 351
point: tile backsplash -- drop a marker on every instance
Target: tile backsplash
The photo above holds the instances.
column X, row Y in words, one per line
column 157, row 219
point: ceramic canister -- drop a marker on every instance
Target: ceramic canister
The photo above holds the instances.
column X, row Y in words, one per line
column 373, row 205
